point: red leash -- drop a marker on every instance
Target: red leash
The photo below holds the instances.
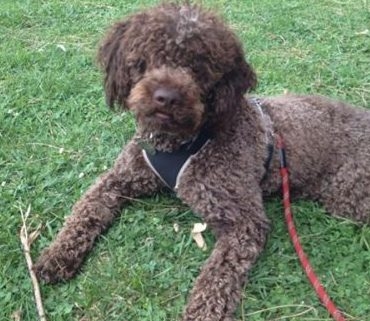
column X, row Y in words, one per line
column 320, row 291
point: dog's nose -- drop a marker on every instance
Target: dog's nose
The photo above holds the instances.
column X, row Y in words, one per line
column 166, row 96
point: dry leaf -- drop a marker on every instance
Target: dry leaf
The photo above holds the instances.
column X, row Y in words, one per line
column 176, row 227
column 199, row 228
column 62, row 47
column 17, row 315
column 362, row 33
column 196, row 233
column 35, row 234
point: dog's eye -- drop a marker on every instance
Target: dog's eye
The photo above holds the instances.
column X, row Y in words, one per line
column 141, row 66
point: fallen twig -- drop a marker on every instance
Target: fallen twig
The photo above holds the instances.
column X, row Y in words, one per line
column 26, row 241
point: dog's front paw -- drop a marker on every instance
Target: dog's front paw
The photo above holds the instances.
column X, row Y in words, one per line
column 54, row 266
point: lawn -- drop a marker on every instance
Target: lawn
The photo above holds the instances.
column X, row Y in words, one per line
column 57, row 136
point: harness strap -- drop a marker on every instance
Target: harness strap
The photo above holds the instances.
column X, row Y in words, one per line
column 269, row 136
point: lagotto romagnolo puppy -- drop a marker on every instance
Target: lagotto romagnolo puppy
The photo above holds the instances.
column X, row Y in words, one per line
column 182, row 73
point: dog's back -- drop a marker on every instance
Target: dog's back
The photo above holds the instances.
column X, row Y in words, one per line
column 328, row 151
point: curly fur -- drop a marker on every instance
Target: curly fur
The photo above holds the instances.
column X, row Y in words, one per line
column 178, row 68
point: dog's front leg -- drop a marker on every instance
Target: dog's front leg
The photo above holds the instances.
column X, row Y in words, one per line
column 217, row 290
column 94, row 212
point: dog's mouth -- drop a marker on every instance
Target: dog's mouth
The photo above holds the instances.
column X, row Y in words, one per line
column 169, row 122
column 163, row 117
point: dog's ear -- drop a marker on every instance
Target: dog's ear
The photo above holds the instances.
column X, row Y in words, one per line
column 111, row 58
column 229, row 90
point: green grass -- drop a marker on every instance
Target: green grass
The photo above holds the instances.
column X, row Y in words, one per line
column 57, row 136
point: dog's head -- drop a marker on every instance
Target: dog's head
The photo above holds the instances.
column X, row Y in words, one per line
column 176, row 67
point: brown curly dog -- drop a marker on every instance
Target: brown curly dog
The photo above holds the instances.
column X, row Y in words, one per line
column 183, row 74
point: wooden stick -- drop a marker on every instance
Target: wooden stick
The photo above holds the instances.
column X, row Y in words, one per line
column 27, row 241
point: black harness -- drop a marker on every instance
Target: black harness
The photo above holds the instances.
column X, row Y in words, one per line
column 169, row 166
